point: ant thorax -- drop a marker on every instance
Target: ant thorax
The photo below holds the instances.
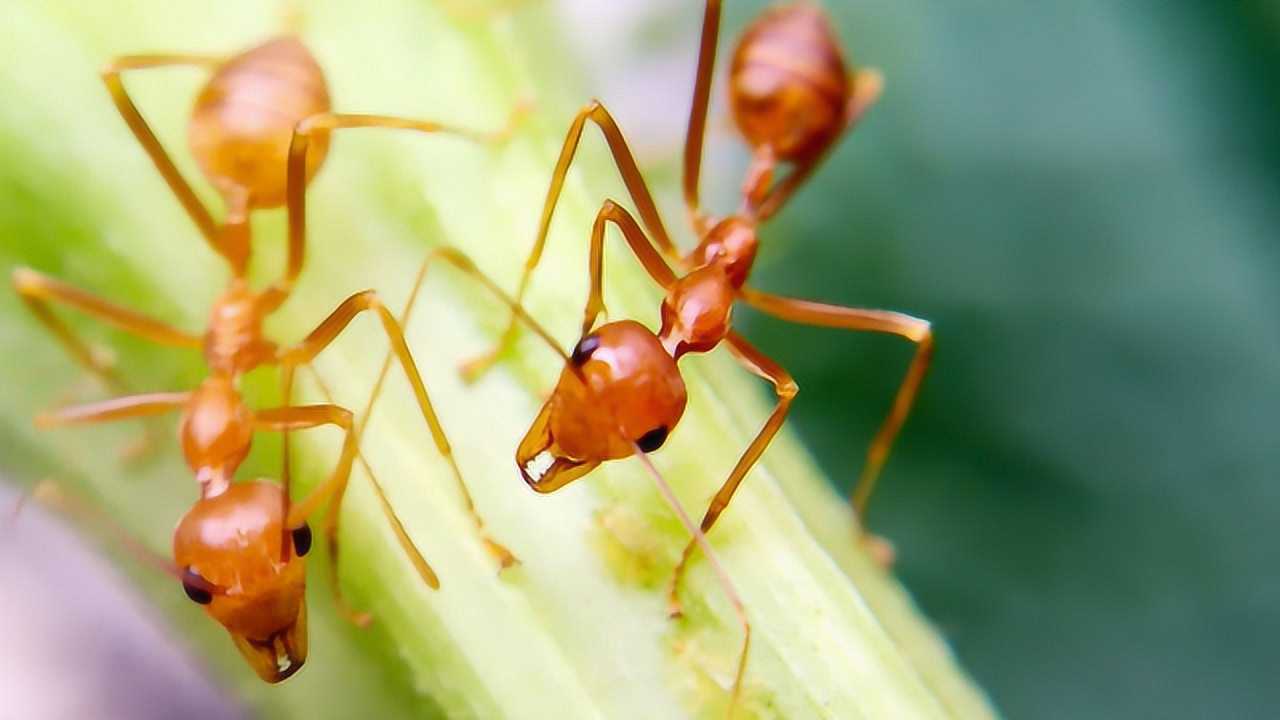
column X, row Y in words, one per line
column 731, row 244
column 233, row 343
column 696, row 311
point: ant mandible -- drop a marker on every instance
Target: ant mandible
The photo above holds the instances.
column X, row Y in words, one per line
column 239, row 550
column 621, row 391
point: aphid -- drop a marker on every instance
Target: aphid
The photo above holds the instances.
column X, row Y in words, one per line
column 259, row 131
column 621, row 392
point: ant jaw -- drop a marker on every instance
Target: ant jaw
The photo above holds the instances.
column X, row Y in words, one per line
column 560, row 472
column 281, row 655
column 537, row 447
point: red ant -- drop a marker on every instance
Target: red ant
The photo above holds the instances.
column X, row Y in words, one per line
column 620, row 392
column 239, row 550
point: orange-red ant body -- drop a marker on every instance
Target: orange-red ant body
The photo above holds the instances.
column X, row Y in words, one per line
column 259, row 131
column 621, row 392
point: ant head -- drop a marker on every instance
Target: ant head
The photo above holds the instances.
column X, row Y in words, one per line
column 229, row 547
column 696, row 311
column 795, row 108
column 620, row 388
column 731, row 244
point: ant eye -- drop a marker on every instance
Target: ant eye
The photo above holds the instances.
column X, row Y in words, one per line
column 194, row 588
column 653, row 439
column 582, row 351
column 302, row 540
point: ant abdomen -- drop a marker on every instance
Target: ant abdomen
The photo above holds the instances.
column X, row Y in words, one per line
column 788, row 83
column 244, row 118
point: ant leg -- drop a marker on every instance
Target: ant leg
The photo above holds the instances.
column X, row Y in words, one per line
column 725, row 583
column 231, row 246
column 333, row 489
column 464, row 264
column 785, row 388
column 121, row 408
column 296, row 186
column 420, row 563
column 631, row 177
column 324, row 335
column 883, row 321
column 865, row 89
column 303, row 417
column 693, row 139
column 653, row 263
column 38, row 291
column 296, row 172
column 51, row 494
column 286, row 460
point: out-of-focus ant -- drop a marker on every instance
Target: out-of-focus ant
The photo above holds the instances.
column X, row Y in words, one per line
column 259, row 131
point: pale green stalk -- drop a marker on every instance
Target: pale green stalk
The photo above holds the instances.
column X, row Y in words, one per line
column 578, row 630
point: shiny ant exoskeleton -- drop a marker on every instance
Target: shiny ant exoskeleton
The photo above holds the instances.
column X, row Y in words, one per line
column 259, row 131
column 621, row 392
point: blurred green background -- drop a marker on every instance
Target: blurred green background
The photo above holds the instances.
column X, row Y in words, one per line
column 1084, row 198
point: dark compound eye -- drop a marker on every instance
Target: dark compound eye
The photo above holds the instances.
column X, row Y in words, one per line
column 194, row 586
column 302, row 540
column 653, row 439
column 582, row 351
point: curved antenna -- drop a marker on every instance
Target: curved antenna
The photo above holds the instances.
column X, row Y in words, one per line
column 721, row 576
column 51, row 494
